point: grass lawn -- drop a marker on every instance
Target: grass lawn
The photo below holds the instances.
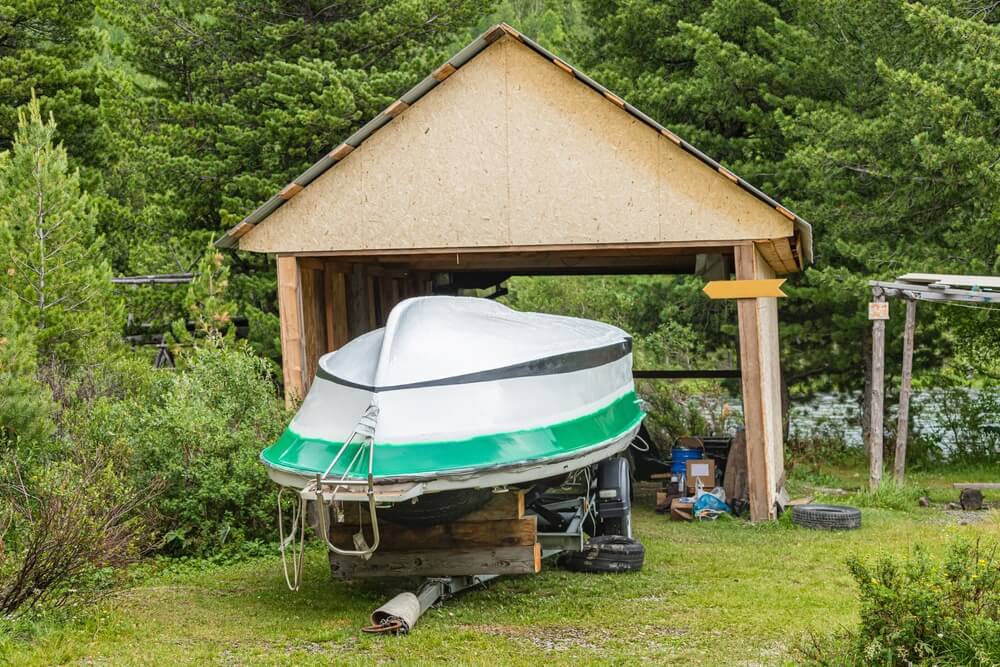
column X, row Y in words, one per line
column 721, row 593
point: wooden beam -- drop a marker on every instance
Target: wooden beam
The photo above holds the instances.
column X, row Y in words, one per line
column 443, row 72
column 649, row 247
column 508, row 505
column 459, row 535
column 396, row 108
column 290, row 191
column 563, row 66
column 290, row 314
column 341, row 151
column 905, row 384
column 670, row 135
column 441, row 562
column 761, row 386
column 240, row 229
column 685, row 374
column 877, row 397
column 614, row 99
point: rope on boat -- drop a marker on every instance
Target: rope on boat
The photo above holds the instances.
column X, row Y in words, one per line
column 297, row 552
column 643, row 441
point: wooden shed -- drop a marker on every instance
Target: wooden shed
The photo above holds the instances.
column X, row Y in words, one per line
column 507, row 161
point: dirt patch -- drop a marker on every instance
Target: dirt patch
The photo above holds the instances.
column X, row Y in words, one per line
column 964, row 518
column 567, row 638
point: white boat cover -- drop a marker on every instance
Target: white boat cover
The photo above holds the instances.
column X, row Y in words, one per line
column 463, row 385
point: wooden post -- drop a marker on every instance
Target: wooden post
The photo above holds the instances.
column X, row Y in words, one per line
column 903, row 422
column 761, row 386
column 290, row 314
column 878, row 397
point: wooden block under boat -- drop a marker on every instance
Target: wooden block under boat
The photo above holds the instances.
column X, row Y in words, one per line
column 508, row 505
column 457, row 535
column 441, row 562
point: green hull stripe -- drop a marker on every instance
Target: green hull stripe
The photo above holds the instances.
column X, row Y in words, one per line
column 310, row 456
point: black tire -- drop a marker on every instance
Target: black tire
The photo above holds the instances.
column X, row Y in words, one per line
column 435, row 508
column 607, row 553
column 826, row 517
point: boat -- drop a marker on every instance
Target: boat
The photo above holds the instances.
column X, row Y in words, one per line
column 458, row 396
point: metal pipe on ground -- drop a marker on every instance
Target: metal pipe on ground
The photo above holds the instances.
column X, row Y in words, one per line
column 400, row 614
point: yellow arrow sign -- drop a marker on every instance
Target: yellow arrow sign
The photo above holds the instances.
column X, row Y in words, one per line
column 744, row 289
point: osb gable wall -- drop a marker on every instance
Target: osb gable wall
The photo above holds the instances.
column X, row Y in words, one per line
column 510, row 150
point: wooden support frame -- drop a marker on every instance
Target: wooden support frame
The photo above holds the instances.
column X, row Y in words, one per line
column 357, row 295
column 761, row 384
column 499, row 538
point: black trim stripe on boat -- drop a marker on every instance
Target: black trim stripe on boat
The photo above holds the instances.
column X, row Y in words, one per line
column 554, row 365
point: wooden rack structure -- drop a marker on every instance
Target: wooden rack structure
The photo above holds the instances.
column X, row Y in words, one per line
column 912, row 287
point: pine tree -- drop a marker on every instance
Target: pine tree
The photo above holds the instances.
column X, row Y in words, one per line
column 873, row 119
column 48, row 48
column 25, row 403
column 236, row 98
column 55, row 277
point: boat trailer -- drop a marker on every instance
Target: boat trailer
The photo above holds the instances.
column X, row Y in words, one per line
column 564, row 519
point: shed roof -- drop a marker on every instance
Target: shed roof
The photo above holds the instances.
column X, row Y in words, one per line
column 232, row 237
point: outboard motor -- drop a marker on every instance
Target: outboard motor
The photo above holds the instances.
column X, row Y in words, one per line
column 614, row 497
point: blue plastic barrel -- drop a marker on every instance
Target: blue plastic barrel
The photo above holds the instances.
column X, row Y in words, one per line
column 679, row 456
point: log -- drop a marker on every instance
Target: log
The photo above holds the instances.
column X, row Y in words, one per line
column 971, row 499
column 440, row 563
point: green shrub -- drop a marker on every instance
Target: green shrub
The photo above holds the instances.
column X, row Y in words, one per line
column 200, row 439
column 922, row 612
column 67, row 525
column 25, row 404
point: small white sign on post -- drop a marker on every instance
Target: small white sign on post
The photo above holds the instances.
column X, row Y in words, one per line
column 878, row 310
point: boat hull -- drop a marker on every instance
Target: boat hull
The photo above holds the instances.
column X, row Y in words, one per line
column 406, row 487
column 461, row 393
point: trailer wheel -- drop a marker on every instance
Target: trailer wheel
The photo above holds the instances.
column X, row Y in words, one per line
column 607, row 553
